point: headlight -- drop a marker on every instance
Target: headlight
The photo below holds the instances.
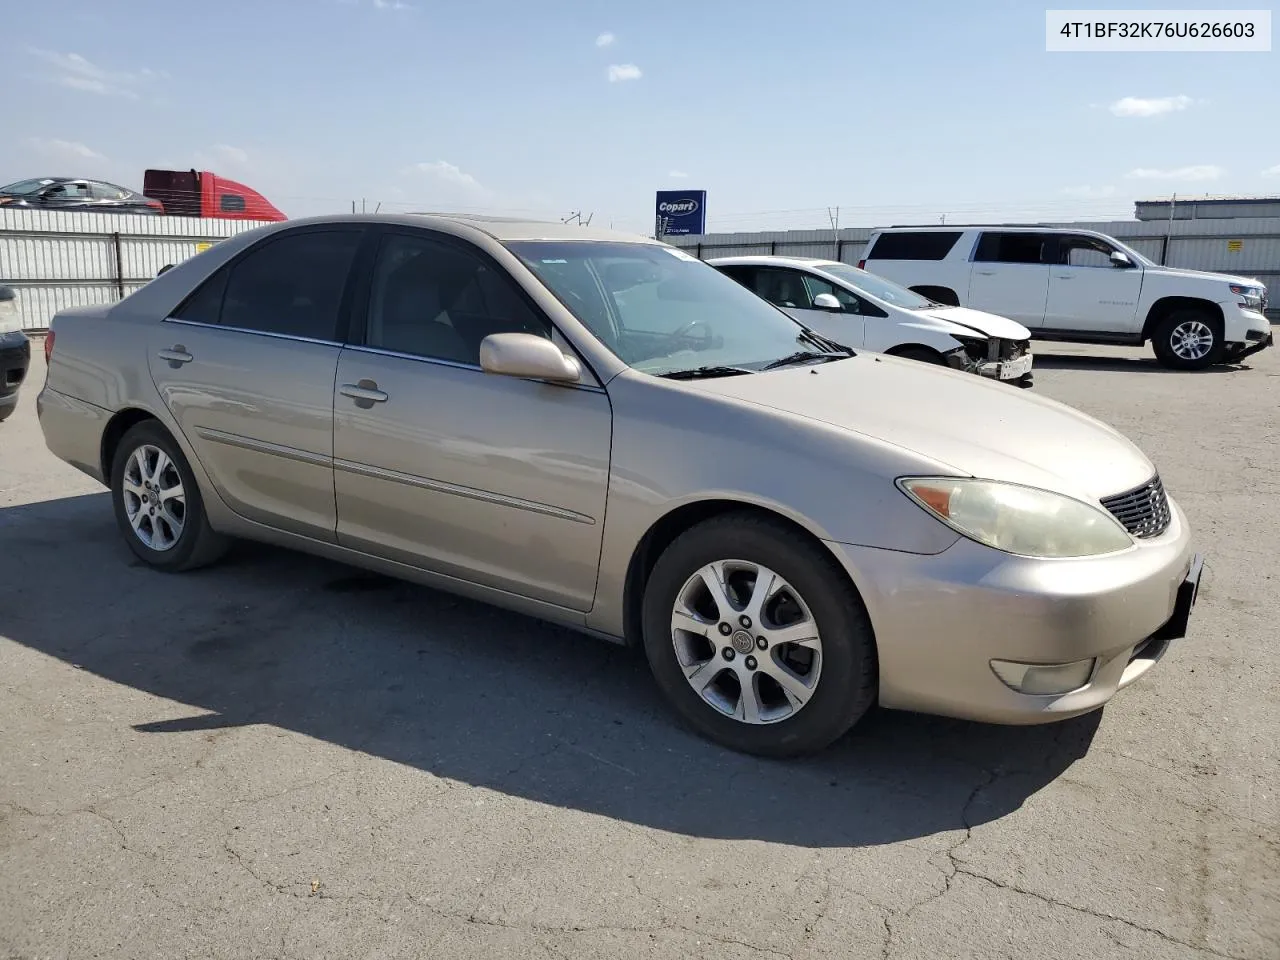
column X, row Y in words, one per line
column 1250, row 297
column 1016, row 519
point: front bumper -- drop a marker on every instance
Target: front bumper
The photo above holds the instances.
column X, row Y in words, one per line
column 1254, row 343
column 1009, row 361
column 940, row 621
column 15, row 359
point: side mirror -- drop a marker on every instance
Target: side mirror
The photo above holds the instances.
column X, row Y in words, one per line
column 528, row 356
column 827, row 301
column 1121, row 260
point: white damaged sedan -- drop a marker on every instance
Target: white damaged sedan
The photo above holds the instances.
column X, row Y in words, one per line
column 859, row 309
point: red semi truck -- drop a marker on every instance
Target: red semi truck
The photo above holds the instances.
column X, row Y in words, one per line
column 191, row 193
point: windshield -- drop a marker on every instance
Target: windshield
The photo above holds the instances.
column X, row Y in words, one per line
column 24, row 187
column 662, row 311
column 877, row 287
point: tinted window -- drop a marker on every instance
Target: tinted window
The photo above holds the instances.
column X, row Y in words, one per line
column 205, row 305
column 68, row 191
column 919, row 245
column 782, row 288
column 231, row 203
column 292, row 285
column 1013, row 247
column 436, row 299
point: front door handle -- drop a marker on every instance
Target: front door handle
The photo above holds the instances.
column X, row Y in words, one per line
column 176, row 355
column 365, row 393
column 985, row 273
column 1063, row 276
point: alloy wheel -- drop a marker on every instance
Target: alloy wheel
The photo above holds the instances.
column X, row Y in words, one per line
column 746, row 641
column 1191, row 340
column 154, row 500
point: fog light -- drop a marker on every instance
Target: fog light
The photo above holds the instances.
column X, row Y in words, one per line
column 1043, row 679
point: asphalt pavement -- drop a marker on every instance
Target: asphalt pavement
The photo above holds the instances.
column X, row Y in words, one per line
column 284, row 757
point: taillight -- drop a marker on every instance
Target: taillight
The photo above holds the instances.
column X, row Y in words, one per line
column 156, row 205
column 862, row 264
column 48, row 347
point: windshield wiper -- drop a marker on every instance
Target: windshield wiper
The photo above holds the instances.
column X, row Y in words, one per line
column 698, row 373
column 822, row 343
column 805, row 356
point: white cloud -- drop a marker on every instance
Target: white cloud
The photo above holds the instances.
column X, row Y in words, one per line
column 1204, row 171
column 447, row 173
column 231, row 154
column 75, row 72
column 1149, row 106
column 1272, row 171
column 606, row 40
column 619, row 72
column 678, row 175
column 1088, row 193
column 64, row 149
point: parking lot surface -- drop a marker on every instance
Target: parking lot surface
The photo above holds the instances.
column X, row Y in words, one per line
column 283, row 757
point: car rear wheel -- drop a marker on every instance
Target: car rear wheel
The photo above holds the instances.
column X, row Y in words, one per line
column 1188, row 340
column 157, row 503
column 757, row 638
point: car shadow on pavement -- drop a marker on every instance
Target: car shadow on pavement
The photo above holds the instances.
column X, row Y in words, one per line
column 471, row 693
column 1104, row 363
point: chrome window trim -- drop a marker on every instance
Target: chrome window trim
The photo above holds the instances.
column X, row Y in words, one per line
column 258, row 333
column 419, row 358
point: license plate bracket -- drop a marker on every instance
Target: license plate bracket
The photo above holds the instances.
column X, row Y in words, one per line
column 1013, row 369
column 1175, row 628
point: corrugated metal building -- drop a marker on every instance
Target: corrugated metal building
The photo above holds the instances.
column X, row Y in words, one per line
column 57, row 259
column 1248, row 246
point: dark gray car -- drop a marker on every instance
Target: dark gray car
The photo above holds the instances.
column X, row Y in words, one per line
column 69, row 193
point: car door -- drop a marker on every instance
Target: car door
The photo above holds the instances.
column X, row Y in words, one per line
column 492, row 479
column 793, row 291
column 1088, row 292
column 1010, row 276
column 246, row 367
column 846, row 326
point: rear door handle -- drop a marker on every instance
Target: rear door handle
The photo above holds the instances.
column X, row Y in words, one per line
column 365, row 393
column 1063, row 276
column 176, row 355
column 985, row 273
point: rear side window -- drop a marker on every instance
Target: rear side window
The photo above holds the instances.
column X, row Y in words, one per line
column 914, row 245
column 290, row 286
column 1013, row 248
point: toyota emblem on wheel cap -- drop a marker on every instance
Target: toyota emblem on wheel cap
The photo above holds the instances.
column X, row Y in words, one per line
column 742, row 641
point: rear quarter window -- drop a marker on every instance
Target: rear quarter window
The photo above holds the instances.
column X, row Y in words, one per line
column 921, row 245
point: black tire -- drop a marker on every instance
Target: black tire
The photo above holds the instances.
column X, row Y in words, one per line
column 921, row 354
column 1174, row 326
column 847, row 683
column 197, row 544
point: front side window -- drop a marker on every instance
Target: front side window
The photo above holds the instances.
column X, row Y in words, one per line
column 434, row 299
column 662, row 311
column 816, row 285
column 1080, row 251
column 291, row 285
column 1013, row 248
column 68, row 191
column 878, row 287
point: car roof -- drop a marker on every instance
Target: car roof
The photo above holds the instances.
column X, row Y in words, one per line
column 765, row 259
column 952, row 227
column 517, row 228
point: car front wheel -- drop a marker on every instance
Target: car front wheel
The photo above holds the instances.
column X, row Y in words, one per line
column 157, row 503
column 1188, row 340
column 757, row 638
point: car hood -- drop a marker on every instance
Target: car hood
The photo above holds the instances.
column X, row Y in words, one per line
column 1203, row 275
column 968, row 425
column 986, row 324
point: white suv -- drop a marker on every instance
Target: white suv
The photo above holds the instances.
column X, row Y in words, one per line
column 1081, row 286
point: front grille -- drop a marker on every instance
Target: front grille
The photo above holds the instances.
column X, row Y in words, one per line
column 1144, row 512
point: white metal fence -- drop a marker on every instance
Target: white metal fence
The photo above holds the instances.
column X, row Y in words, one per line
column 1250, row 247
column 58, row 259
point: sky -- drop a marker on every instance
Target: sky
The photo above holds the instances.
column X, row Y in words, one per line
column 896, row 112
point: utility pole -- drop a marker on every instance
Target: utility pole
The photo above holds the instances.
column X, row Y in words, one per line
column 833, row 214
